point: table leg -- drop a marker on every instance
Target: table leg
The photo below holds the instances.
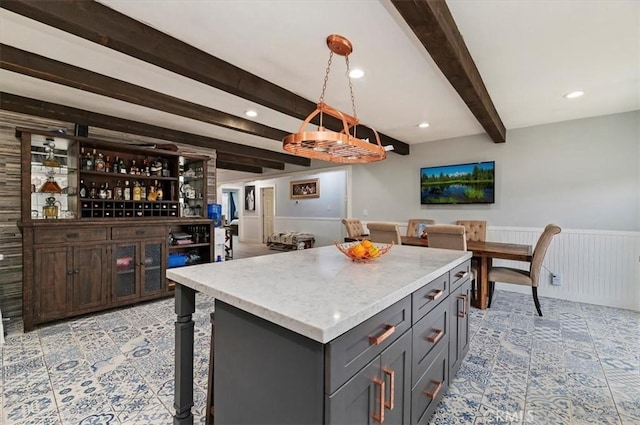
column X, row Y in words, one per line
column 183, row 398
column 480, row 300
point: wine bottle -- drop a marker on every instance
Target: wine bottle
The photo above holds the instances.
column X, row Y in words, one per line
column 127, row 191
column 84, row 192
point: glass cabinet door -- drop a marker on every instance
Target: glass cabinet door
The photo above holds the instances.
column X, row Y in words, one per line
column 54, row 180
column 153, row 280
column 125, row 271
column 192, row 181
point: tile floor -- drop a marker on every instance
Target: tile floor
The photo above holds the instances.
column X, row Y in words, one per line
column 579, row 364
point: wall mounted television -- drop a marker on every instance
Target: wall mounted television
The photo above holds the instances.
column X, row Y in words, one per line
column 472, row 183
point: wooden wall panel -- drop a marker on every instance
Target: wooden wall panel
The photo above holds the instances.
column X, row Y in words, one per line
column 10, row 235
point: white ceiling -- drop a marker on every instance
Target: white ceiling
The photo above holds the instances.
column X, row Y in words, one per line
column 529, row 53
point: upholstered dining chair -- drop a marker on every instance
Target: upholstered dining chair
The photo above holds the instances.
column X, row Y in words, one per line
column 529, row 277
column 476, row 229
column 355, row 229
column 414, row 223
column 447, row 236
column 384, row 232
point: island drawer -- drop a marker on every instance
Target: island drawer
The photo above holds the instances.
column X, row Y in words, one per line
column 426, row 298
column 432, row 384
column 67, row 234
column 138, row 232
column 429, row 335
column 351, row 351
column 459, row 274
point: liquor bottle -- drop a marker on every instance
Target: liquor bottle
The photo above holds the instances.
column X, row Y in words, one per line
column 116, row 165
column 118, row 191
column 123, row 168
column 84, row 192
column 107, row 164
column 146, row 170
column 102, row 193
column 134, row 168
column 93, row 192
column 136, row 191
column 159, row 192
column 108, row 190
column 127, row 191
column 88, row 161
column 143, row 192
column 165, row 168
column 99, row 162
column 151, row 193
column 156, row 167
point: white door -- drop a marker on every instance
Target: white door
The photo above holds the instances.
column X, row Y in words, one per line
column 268, row 211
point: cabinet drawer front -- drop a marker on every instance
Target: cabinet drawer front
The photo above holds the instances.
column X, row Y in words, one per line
column 426, row 298
column 459, row 274
column 138, row 232
column 63, row 235
column 351, row 351
column 430, row 389
column 429, row 335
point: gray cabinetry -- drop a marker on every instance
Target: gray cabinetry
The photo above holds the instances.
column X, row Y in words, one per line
column 393, row 368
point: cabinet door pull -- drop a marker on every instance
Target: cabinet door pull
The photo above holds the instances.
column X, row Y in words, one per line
column 379, row 417
column 462, row 313
column 70, row 272
column 139, row 232
column 72, row 235
column 433, row 394
column 375, row 340
column 462, row 275
column 392, row 384
column 76, row 272
column 439, row 333
column 435, row 294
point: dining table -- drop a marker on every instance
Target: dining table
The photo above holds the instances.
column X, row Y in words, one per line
column 483, row 254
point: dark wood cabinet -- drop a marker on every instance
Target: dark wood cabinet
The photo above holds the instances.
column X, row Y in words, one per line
column 86, row 252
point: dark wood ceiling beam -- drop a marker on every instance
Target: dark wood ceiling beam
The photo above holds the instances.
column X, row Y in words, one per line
column 238, row 159
column 100, row 24
column 33, row 65
column 238, row 167
column 432, row 23
column 25, row 105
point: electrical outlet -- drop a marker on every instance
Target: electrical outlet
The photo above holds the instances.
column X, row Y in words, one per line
column 555, row 280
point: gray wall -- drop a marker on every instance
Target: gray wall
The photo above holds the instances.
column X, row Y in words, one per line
column 331, row 203
column 580, row 174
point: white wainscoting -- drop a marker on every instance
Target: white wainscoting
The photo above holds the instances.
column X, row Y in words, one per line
column 595, row 267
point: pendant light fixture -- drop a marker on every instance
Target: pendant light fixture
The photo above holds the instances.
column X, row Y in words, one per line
column 326, row 145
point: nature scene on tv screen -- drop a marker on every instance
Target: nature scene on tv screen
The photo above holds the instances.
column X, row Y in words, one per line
column 458, row 184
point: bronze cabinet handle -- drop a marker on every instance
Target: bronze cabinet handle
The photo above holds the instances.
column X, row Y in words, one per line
column 375, row 340
column 392, row 384
column 462, row 313
column 70, row 272
column 435, row 294
column 379, row 417
column 433, row 394
column 462, row 275
column 439, row 333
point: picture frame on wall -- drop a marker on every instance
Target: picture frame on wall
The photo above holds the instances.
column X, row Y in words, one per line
column 301, row 189
column 250, row 198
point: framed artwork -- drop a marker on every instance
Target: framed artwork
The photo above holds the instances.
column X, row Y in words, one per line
column 305, row 189
column 250, row 198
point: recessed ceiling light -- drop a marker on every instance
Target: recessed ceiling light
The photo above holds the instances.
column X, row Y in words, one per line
column 424, row 125
column 356, row 73
column 251, row 113
column 573, row 94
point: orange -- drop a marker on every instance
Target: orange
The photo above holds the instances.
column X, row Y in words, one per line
column 366, row 243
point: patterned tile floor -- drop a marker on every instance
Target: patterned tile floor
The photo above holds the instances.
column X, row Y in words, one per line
column 579, row 364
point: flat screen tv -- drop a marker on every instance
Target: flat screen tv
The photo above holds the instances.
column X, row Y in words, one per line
column 472, row 183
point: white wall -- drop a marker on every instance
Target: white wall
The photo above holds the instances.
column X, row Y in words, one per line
column 581, row 174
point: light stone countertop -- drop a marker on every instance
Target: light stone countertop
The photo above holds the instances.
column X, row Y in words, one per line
column 318, row 292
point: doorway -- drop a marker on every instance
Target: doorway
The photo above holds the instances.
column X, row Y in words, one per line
column 268, row 211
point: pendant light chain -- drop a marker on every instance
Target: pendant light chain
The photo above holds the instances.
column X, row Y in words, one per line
column 353, row 99
column 324, row 84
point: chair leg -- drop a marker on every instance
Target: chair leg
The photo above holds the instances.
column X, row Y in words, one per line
column 534, row 289
column 492, row 286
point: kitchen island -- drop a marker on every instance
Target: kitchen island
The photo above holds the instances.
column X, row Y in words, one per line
column 310, row 337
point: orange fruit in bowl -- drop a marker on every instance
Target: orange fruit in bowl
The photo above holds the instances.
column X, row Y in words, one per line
column 358, row 251
column 366, row 243
column 373, row 251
